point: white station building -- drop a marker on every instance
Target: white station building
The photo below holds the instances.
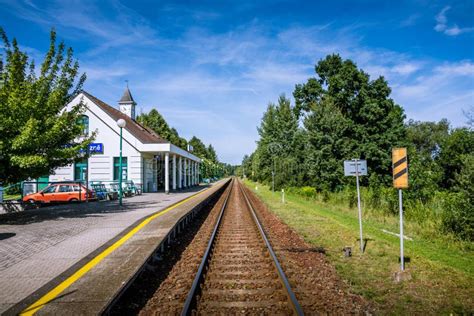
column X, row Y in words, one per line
column 150, row 161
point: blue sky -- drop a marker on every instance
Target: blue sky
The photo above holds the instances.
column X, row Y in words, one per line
column 212, row 67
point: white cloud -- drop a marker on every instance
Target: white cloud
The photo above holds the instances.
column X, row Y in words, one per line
column 216, row 85
column 463, row 68
column 455, row 30
column 84, row 20
column 440, row 92
column 441, row 19
column 410, row 21
column 406, row 69
column 442, row 24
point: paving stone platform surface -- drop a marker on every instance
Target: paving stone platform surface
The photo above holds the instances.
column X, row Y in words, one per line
column 38, row 245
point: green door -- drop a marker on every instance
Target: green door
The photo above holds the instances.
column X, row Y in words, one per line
column 80, row 169
column 117, row 168
column 43, row 182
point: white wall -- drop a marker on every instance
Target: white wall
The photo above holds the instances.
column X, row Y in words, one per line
column 63, row 173
column 141, row 165
column 108, row 133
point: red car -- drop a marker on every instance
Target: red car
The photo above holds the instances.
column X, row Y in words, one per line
column 60, row 192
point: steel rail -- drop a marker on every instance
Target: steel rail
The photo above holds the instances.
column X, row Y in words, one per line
column 284, row 280
column 190, row 302
column 191, row 299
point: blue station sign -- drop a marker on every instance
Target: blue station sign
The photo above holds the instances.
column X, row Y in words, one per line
column 96, row 148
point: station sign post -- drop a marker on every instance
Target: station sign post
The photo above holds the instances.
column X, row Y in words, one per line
column 400, row 181
column 357, row 167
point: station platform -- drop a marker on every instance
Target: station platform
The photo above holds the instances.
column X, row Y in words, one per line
column 74, row 259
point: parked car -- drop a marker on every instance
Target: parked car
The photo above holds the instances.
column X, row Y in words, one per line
column 61, row 192
column 100, row 191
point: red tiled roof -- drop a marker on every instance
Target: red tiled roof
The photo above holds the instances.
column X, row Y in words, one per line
column 143, row 134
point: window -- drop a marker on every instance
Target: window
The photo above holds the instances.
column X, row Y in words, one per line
column 50, row 189
column 84, row 122
column 65, row 188
column 117, row 168
column 77, row 188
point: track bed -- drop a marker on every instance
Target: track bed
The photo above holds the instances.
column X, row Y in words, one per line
column 241, row 277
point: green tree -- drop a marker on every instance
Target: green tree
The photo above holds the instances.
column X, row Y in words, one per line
column 459, row 143
column 328, row 144
column 280, row 147
column 427, row 137
column 36, row 134
column 199, row 149
column 369, row 122
column 263, row 159
column 424, row 140
column 156, row 122
column 459, row 208
column 177, row 140
column 211, row 154
column 287, row 145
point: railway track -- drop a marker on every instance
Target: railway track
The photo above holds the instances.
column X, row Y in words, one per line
column 239, row 271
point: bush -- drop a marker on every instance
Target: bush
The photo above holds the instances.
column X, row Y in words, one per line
column 308, row 192
column 13, row 189
column 458, row 216
column 445, row 212
column 373, row 197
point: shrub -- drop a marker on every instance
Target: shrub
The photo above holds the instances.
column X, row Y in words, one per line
column 13, row 189
column 458, row 216
column 308, row 192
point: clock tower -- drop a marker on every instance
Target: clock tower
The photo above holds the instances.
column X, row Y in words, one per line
column 127, row 104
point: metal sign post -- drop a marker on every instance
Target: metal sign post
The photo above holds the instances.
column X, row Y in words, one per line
column 359, row 207
column 400, row 205
column 400, row 181
column 273, row 181
column 356, row 167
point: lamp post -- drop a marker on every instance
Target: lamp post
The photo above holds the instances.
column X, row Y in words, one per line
column 274, row 148
column 120, row 123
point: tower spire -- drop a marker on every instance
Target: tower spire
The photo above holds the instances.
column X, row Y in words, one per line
column 127, row 103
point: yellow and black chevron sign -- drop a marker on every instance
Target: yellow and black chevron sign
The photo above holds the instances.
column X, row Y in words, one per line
column 400, row 168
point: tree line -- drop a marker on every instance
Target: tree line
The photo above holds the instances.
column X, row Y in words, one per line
column 210, row 165
column 340, row 114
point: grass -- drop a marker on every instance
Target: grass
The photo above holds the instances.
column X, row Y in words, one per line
column 442, row 271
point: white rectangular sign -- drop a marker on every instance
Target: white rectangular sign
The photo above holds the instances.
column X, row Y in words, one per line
column 350, row 167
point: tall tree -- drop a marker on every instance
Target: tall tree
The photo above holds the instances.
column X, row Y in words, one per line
column 370, row 123
column 328, row 144
column 267, row 145
column 280, row 148
column 36, row 135
column 454, row 148
column 199, row 149
column 155, row 121
column 424, row 140
column 211, row 154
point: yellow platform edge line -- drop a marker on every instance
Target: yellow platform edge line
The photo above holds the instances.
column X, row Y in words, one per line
column 51, row 295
